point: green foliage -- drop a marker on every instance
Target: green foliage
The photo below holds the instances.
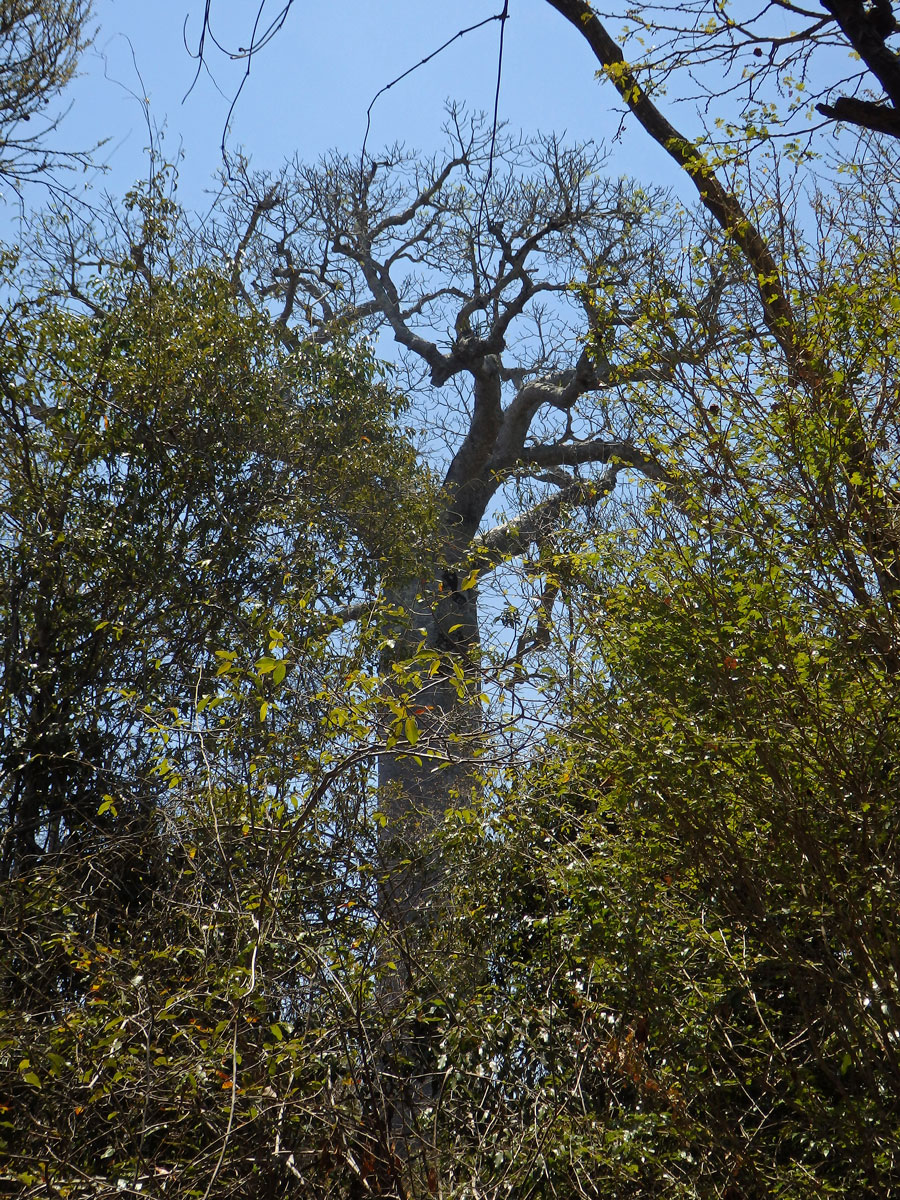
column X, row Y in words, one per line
column 689, row 982
column 140, row 1048
column 188, row 867
column 173, row 478
column 185, row 501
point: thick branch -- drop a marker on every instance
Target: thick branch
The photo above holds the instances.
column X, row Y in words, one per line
column 574, row 454
column 260, row 208
column 562, row 389
column 469, row 353
column 513, row 538
column 384, row 291
column 867, row 28
column 465, row 480
column 559, row 390
column 881, row 118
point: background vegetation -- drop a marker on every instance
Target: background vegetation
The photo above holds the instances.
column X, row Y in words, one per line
column 485, row 786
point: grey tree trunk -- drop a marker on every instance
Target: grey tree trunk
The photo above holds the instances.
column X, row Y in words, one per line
column 419, row 782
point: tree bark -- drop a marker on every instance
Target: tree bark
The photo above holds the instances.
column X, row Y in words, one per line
column 418, row 781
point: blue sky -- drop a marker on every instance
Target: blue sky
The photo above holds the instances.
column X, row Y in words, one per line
column 309, row 89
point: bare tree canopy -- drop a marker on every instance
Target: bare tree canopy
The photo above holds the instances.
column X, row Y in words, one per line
column 488, row 266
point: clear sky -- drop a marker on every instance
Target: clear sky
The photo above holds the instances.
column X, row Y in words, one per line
column 309, row 89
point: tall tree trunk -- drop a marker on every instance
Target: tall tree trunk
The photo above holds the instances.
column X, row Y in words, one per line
column 421, row 777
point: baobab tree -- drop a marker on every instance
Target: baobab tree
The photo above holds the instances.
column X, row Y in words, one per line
column 490, row 267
